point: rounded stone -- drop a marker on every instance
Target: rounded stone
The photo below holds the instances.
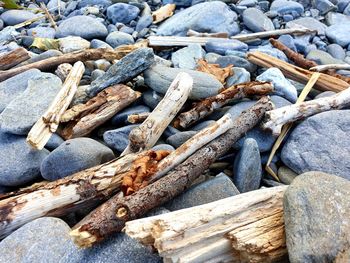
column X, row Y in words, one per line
column 116, row 39
column 122, row 13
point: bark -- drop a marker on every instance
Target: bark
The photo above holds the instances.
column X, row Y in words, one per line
column 163, row 13
column 325, row 82
column 327, row 67
column 13, row 58
column 244, row 228
column 275, row 119
column 234, row 93
column 86, row 117
column 65, row 195
column 192, row 33
column 53, row 62
column 138, row 118
column 111, row 216
column 147, row 134
column 48, row 123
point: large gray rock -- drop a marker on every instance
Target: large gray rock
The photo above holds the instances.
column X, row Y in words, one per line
column 160, row 77
column 82, row 26
column 316, row 210
column 124, row 70
column 320, row 143
column 310, row 23
column 22, row 113
column 339, row 34
column 20, row 163
column 256, row 20
column 44, row 240
column 12, row 87
column 210, row 17
column 14, row 17
column 322, row 57
column 73, row 156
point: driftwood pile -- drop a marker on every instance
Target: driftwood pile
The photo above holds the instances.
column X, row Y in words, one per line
column 244, row 228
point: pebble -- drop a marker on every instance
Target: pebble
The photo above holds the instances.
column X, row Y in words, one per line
column 225, row 61
column 144, row 22
column 240, row 75
column 325, row 94
column 322, row 57
column 212, row 190
column 151, row 98
column 8, row 33
column 336, row 51
column 209, row 17
column 116, row 39
column 160, row 77
column 54, row 141
column 316, row 211
column 247, row 169
column 224, row 45
column 286, row 175
column 202, row 125
column 118, row 139
column 73, row 156
column 121, row 117
column 333, row 18
column 44, row 32
column 164, row 147
column 339, row 34
column 71, row 44
column 255, row 20
column 14, row 17
column 122, row 13
column 283, row 7
column 187, row 57
column 288, row 41
column 20, row 163
column 96, row 43
column 179, row 138
column 22, row 113
column 320, row 143
column 324, row 6
column 100, row 3
column 82, row 26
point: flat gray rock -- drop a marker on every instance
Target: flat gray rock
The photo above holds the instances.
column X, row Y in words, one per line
column 12, row 87
column 320, row 143
column 160, row 77
column 20, row 163
column 22, row 113
column 310, row 23
column 316, row 214
column 256, row 20
column 209, row 17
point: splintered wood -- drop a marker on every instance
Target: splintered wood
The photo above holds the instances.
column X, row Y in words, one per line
column 163, row 13
column 221, row 74
column 84, row 118
column 42, row 130
column 245, row 228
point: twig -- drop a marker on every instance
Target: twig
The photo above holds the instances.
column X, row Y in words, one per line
column 48, row 15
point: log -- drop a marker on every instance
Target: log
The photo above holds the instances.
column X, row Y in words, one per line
column 320, row 68
column 244, row 228
column 65, row 195
column 48, row 123
column 13, row 58
column 324, row 82
column 163, row 13
column 177, row 41
column 111, row 216
column 138, row 118
column 231, row 94
column 275, row 119
column 147, row 134
column 53, row 62
column 84, row 118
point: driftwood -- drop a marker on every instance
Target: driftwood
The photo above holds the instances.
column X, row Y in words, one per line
column 275, row 119
column 48, row 123
column 84, row 118
column 13, row 58
column 111, row 216
column 176, row 41
column 321, row 68
column 65, row 195
column 244, row 228
column 221, row 74
column 163, row 13
column 138, row 118
column 325, row 82
column 192, row 33
column 208, row 105
column 53, row 62
column 48, row 15
column 147, row 134
column 302, row 62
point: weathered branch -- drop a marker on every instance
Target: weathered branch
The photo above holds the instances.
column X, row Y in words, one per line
column 138, row 118
column 147, row 134
column 13, row 58
column 192, row 33
column 111, row 216
column 234, row 93
column 325, row 82
column 244, row 228
column 49, row 121
column 86, row 117
column 163, row 13
column 275, row 119
column 321, row 68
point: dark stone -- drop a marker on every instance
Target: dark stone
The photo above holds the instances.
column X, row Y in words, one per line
column 118, row 139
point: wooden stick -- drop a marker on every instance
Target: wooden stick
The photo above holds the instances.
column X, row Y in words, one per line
column 111, row 216
column 48, row 15
column 325, row 82
column 42, row 130
column 208, row 105
column 13, row 58
column 321, row 68
column 275, row 119
column 147, row 134
column 246, row 228
column 163, row 13
column 65, row 195
column 29, row 21
column 86, row 117
column 138, row 118
column 192, row 33
column 53, row 62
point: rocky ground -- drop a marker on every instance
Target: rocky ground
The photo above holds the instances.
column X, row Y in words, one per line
column 314, row 159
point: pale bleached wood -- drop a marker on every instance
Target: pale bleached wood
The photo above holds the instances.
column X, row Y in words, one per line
column 163, row 13
column 13, row 58
column 192, row 33
column 324, row 82
column 179, row 235
column 275, row 119
column 48, row 123
column 147, row 134
column 321, row 68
